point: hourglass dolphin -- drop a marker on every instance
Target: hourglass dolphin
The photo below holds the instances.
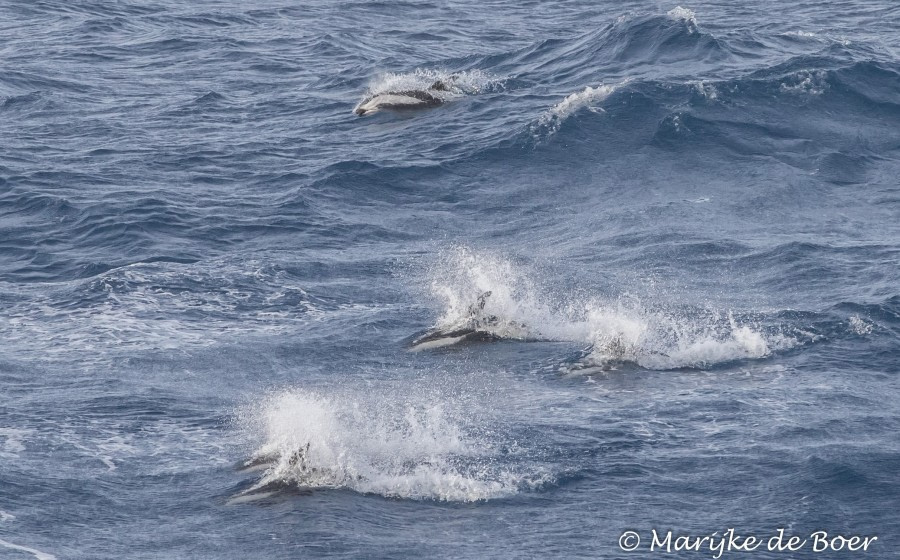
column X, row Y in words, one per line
column 405, row 99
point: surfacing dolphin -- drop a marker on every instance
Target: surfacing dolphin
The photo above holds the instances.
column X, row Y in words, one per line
column 406, row 99
column 475, row 328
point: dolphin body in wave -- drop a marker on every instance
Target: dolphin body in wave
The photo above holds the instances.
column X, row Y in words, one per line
column 302, row 476
column 406, row 99
column 476, row 328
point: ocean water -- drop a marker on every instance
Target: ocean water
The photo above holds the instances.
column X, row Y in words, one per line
column 212, row 275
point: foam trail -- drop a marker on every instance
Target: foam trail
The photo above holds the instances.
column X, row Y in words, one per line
column 616, row 329
column 37, row 553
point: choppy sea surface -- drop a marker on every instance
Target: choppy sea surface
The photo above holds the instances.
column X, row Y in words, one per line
column 212, row 273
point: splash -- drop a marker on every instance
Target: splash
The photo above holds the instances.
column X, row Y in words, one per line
column 621, row 329
column 705, row 89
column 374, row 446
column 683, row 14
column 801, row 33
column 588, row 98
column 464, row 276
column 806, row 82
column 860, row 326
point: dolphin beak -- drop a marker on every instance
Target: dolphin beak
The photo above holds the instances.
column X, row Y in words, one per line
column 360, row 111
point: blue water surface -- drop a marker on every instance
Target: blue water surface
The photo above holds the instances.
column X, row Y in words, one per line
column 213, row 274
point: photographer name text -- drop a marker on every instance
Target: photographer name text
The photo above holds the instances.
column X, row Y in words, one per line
column 717, row 544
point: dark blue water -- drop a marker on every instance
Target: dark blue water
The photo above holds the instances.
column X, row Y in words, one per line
column 212, row 272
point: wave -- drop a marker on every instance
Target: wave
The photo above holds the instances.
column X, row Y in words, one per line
column 89, row 237
column 633, row 44
column 658, row 80
column 375, row 445
column 814, row 100
column 162, row 304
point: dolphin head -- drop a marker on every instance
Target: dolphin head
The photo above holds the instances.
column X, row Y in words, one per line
column 366, row 106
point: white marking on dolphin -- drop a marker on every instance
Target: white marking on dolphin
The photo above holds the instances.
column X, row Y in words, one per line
column 477, row 327
column 285, row 473
column 406, row 99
